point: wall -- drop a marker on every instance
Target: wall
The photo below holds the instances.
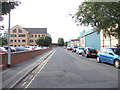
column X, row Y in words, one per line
column 19, row 57
column 107, row 42
column 82, row 41
column 93, row 40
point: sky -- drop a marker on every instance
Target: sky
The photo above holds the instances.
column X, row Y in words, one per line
column 50, row 14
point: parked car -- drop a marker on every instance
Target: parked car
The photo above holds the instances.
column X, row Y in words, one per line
column 74, row 48
column 28, row 48
column 109, row 55
column 69, row 48
column 64, row 47
column 3, row 50
column 11, row 48
column 21, row 48
column 38, row 48
column 79, row 50
column 89, row 52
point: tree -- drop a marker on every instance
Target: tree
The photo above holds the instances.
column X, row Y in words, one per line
column 3, row 41
column 65, row 43
column 103, row 16
column 60, row 41
column 7, row 7
column 44, row 41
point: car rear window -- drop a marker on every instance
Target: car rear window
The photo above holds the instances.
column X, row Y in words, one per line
column 91, row 49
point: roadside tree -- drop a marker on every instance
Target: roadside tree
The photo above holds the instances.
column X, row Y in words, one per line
column 7, row 6
column 3, row 41
column 60, row 41
column 103, row 16
column 44, row 41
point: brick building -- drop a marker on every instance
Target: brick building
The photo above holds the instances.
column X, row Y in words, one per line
column 26, row 36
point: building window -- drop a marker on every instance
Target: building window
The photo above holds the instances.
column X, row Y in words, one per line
column 35, row 35
column 14, row 31
column 21, row 35
column 43, row 35
column 11, row 40
column 18, row 40
column 13, row 35
column 38, row 35
column 31, row 40
column 15, row 45
column 15, row 41
column 19, row 31
column 31, row 35
column 23, row 40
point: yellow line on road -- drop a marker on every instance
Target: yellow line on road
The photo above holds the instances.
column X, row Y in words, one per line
column 24, row 84
column 44, row 63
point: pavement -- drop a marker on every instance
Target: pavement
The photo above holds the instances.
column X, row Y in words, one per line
column 14, row 74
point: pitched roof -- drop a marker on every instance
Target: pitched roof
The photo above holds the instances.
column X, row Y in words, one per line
column 37, row 30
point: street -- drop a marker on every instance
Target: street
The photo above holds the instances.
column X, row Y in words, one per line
column 65, row 69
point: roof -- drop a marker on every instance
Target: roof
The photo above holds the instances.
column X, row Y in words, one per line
column 75, row 40
column 86, row 32
column 37, row 30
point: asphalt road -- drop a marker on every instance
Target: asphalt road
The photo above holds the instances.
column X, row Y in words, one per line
column 65, row 69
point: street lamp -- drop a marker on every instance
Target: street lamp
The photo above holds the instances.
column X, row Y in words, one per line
column 9, row 50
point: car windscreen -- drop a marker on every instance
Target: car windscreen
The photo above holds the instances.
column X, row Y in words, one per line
column 81, row 48
column 75, row 47
column 116, row 51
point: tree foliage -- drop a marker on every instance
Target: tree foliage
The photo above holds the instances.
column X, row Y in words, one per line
column 7, row 7
column 44, row 41
column 3, row 41
column 60, row 41
column 103, row 16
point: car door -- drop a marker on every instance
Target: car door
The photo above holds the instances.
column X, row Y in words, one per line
column 109, row 56
column 102, row 54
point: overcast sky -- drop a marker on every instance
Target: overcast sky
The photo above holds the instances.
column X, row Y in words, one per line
column 50, row 14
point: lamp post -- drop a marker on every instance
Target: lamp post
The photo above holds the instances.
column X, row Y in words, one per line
column 9, row 50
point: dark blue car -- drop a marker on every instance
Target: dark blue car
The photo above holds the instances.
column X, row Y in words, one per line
column 109, row 55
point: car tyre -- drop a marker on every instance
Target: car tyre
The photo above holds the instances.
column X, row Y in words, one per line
column 98, row 60
column 117, row 64
column 86, row 55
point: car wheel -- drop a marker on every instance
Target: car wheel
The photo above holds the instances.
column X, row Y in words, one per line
column 98, row 60
column 117, row 64
column 82, row 54
column 86, row 55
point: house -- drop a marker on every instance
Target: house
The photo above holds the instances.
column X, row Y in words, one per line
column 26, row 36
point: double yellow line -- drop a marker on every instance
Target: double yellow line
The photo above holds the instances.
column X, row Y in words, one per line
column 42, row 66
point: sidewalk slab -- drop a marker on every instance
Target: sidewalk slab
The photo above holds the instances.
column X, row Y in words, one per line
column 14, row 74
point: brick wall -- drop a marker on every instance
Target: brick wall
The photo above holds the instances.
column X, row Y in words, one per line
column 19, row 57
